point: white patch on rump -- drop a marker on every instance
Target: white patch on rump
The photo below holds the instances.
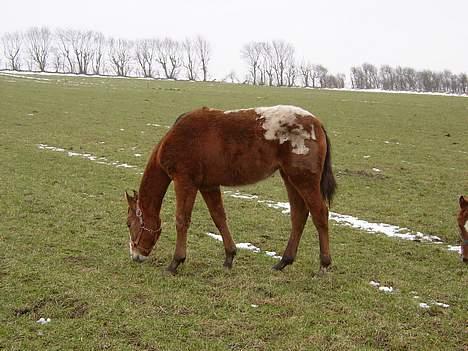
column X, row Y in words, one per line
column 280, row 123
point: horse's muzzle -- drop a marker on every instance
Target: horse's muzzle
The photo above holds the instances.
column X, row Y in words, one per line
column 139, row 258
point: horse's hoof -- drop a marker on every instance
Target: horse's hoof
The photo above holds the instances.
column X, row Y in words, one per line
column 279, row 266
column 227, row 265
column 170, row 270
column 285, row 261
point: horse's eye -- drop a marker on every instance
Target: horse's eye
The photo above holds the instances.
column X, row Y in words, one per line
column 128, row 225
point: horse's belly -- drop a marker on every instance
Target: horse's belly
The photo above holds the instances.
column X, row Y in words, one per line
column 243, row 169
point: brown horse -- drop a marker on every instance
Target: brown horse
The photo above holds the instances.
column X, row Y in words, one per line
column 463, row 225
column 207, row 148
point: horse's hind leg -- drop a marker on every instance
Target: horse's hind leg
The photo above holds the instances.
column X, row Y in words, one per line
column 214, row 203
column 299, row 213
column 310, row 192
column 186, row 193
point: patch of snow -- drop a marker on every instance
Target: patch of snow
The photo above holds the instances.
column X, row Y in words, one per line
column 283, row 206
column 376, row 170
column 441, row 304
column 253, row 306
column 245, row 246
column 386, row 289
column 43, row 321
column 87, row 156
column 215, row 236
column 272, row 254
column 424, row 305
column 393, row 92
column 382, row 228
column 239, row 195
column 455, row 248
column 248, row 246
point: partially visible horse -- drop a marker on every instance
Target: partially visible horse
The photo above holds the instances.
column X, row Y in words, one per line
column 463, row 225
column 207, row 148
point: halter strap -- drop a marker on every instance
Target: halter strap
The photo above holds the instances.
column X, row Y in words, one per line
column 139, row 214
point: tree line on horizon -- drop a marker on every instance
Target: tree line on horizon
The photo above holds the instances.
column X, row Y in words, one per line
column 269, row 63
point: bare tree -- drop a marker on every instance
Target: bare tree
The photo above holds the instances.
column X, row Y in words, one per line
column 357, row 78
column 98, row 44
column 204, row 55
column 387, row 77
column 252, row 54
column 190, row 60
column 267, row 65
column 463, row 83
column 58, row 63
column 291, row 74
column 306, row 72
column 82, row 49
column 39, row 42
column 168, row 55
column 283, row 55
column 65, row 49
column 12, row 43
column 319, row 73
column 231, row 78
column 145, row 51
column 120, row 56
column 371, row 80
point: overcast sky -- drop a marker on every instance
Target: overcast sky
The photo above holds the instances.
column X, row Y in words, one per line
column 335, row 33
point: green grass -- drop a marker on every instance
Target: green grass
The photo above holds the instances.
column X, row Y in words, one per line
column 64, row 243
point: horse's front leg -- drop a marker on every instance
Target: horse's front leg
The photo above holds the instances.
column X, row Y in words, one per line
column 214, row 202
column 186, row 193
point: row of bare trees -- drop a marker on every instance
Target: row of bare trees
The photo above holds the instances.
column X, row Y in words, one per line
column 271, row 63
column 368, row 76
column 90, row 52
column 274, row 63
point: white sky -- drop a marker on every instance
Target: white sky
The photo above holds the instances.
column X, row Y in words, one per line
column 335, row 33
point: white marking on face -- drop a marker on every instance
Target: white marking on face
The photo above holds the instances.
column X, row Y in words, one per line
column 280, row 123
column 135, row 255
column 466, row 225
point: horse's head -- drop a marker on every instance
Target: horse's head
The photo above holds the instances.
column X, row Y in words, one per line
column 142, row 237
column 463, row 225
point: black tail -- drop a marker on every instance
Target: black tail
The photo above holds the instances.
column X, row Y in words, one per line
column 327, row 183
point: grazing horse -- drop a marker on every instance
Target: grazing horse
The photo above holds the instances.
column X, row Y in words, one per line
column 463, row 225
column 207, row 148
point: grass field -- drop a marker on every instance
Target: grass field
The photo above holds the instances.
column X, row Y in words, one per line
column 64, row 242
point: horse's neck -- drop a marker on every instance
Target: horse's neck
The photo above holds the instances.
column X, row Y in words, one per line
column 153, row 187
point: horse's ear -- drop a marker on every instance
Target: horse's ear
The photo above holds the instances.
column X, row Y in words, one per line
column 129, row 198
column 135, row 195
column 463, row 202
